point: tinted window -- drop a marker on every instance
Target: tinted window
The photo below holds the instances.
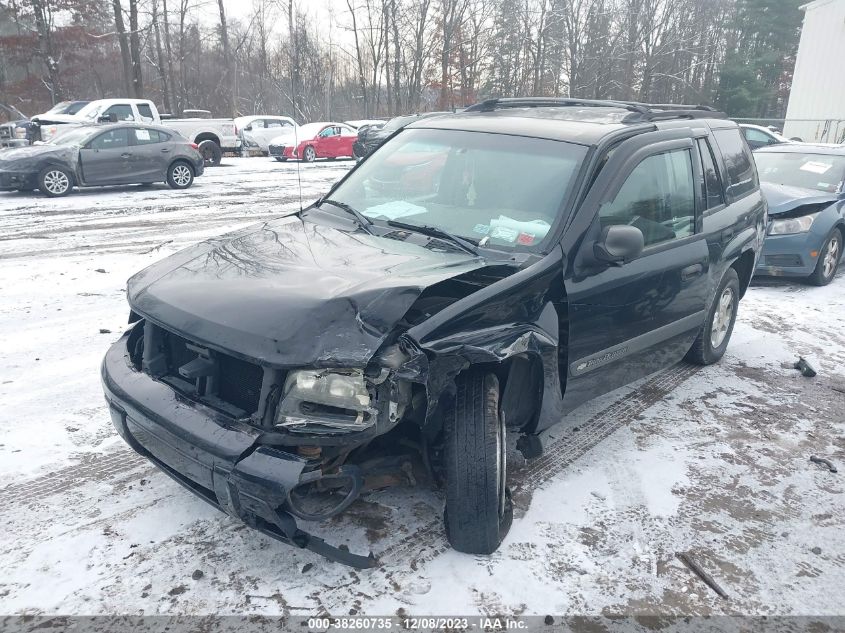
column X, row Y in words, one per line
column 122, row 111
column 113, row 139
column 147, row 137
column 712, row 192
column 756, row 136
column 276, row 123
column 658, row 198
column 742, row 178
column 145, row 111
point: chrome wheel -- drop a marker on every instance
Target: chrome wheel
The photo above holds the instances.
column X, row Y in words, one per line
column 56, row 182
column 722, row 318
column 181, row 175
column 831, row 256
column 309, row 154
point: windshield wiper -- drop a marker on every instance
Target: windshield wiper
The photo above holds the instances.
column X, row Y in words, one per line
column 434, row 231
column 363, row 221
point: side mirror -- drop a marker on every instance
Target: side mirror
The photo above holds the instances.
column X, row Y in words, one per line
column 108, row 118
column 248, row 128
column 619, row 244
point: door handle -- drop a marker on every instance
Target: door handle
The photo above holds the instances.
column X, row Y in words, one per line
column 164, row 150
column 126, row 155
column 691, row 272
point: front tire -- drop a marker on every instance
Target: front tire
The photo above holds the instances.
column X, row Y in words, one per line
column 478, row 508
column 211, row 153
column 309, row 155
column 55, row 182
column 715, row 334
column 180, row 175
column 829, row 258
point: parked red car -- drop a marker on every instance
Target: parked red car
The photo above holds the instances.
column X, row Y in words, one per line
column 319, row 140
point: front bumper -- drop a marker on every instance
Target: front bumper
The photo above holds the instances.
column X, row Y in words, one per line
column 218, row 458
column 790, row 255
column 13, row 142
column 14, row 180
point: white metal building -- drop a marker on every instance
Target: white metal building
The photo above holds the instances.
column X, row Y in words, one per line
column 816, row 110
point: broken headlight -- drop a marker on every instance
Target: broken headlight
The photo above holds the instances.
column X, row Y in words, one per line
column 325, row 401
column 790, row 226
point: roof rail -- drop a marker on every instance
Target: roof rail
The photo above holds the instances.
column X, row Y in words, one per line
column 638, row 111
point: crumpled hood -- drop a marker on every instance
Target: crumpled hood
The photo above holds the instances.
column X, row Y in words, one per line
column 783, row 198
column 46, row 119
column 21, row 157
column 291, row 292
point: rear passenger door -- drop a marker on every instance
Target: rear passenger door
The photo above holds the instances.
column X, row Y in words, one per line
column 627, row 321
column 150, row 154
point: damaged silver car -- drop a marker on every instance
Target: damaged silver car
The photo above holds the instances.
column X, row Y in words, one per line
column 479, row 275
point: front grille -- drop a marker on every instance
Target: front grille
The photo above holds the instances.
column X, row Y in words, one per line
column 5, row 132
column 786, row 261
column 277, row 150
column 236, row 382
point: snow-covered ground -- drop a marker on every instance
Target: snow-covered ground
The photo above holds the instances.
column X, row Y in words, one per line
column 712, row 461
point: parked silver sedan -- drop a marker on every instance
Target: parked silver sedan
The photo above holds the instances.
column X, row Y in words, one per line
column 97, row 155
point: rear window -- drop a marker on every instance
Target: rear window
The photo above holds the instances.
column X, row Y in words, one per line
column 148, row 137
column 742, row 178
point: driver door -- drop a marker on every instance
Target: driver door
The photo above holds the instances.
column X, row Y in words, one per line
column 328, row 142
column 107, row 158
column 627, row 321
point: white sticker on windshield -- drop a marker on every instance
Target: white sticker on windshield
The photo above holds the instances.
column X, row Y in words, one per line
column 395, row 210
column 815, row 167
column 503, row 233
column 142, row 135
column 484, row 229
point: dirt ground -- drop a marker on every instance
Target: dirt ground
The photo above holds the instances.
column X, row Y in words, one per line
column 710, row 461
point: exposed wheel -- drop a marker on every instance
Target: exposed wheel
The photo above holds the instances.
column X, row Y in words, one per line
column 478, row 507
column 714, row 335
column 828, row 262
column 280, row 159
column 180, row 175
column 211, row 153
column 55, row 181
column 309, row 155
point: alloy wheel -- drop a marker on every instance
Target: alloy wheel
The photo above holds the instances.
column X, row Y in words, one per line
column 181, row 175
column 56, row 182
column 831, row 256
column 722, row 318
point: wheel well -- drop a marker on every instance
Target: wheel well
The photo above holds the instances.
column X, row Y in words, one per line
column 207, row 136
column 744, row 267
column 521, row 390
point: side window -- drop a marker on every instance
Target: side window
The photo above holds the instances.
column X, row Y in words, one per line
column 742, row 178
column 257, row 124
column 147, row 137
column 273, row 123
column 113, row 139
column 123, row 112
column 712, row 192
column 329, row 131
column 145, row 111
column 756, row 136
column 658, row 198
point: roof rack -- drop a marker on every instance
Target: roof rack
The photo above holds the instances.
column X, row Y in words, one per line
column 638, row 111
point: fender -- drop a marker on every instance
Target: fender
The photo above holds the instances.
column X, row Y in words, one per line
column 514, row 316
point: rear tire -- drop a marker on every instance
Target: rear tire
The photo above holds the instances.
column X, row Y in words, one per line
column 478, row 508
column 180, row 175
column 309, row 154
column 211, row 153
column 55, row 182
column 715, row 334
column 829, row 258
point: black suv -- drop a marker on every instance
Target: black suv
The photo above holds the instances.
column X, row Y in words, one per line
column 480, row 274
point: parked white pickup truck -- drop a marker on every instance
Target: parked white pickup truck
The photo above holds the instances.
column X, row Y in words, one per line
column 213, row 136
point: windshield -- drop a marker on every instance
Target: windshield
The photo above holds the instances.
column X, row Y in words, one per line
column 502, row 190
column 67, row 107
column 820, row 172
